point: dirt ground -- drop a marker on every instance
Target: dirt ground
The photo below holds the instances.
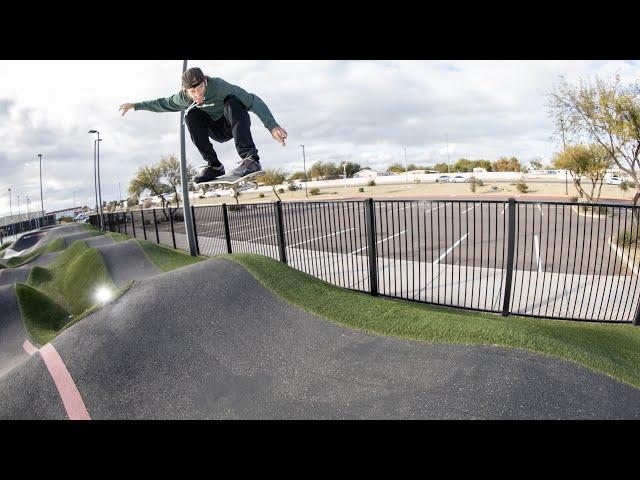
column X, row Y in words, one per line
column 419, row 190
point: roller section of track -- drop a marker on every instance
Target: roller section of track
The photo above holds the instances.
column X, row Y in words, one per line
column 99, row 241
column 12, row 332
column 209, row 341
column 125, row 262
column 9, row 276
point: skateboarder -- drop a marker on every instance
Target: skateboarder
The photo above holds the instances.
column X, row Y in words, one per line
column 220, row 110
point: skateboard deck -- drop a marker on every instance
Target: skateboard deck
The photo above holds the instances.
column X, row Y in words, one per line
column 232, row 181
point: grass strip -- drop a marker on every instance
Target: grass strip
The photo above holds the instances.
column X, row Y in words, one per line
column 610, row 349
column 42, row 316
column 166, row 258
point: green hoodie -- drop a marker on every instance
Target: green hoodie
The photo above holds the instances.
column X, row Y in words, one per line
column 217, row 91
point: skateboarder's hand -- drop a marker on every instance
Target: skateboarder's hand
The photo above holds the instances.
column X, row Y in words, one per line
column 125, row 107
column 279, row 134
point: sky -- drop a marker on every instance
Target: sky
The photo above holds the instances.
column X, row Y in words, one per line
column 365, row 111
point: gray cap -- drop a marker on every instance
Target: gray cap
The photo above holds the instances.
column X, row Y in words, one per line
column 192, row 78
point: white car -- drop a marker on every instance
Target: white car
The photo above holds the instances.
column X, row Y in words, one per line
column 458, row 179
column 443, row 179
column 614, row 181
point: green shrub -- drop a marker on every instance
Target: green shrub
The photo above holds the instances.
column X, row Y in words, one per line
column 372, row 183
column 522, row 186
column 361, row 189
column 628, row 238
column 281, row 190
column 573, row 199
column 261, row 195
column 314, row 191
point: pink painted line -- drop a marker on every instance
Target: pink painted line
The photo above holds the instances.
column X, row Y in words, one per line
column 29, row 348
column 71, row 398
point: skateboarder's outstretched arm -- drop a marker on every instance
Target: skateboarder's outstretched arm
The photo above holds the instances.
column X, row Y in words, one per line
column 175, row 103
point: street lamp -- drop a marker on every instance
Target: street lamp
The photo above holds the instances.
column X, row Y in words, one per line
column 96, row 154
column 41, row 201
column 11, row 212
column 344, row 170
column 406, row 171
column 304, row 160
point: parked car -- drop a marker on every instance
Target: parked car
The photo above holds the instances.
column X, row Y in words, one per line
column 443, row 179
column 458, row 179
column 614, row 180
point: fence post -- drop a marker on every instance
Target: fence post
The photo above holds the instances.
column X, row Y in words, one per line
column 195, row 231
column 510, row 246
column 227, row 231
column 155, row 222
column 173, row 234
column 371, row 243
column 280, row 231
column 133, row 226
column 124, row 217
column 144, row 228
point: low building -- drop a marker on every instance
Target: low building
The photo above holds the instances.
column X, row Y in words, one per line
column 366, row 173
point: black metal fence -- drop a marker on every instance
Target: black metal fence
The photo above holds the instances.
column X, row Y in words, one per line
column 29, row 225
column 541, row 259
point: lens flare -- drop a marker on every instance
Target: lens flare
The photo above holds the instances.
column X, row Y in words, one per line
column 103, row 295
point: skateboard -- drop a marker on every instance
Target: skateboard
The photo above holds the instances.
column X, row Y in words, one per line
column 237, row 184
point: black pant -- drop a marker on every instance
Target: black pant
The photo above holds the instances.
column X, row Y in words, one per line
column 235, row 123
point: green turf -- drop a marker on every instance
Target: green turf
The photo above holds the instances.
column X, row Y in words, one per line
column 166, row 258
column 71, row 281
column 42, row 316
column 5, row 245
column 55, row 246
column 610, row 349
column 119, row 237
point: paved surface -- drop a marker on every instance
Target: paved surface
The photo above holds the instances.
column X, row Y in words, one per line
column 208, row 341
column 69, row 239
column 9, row 276
column 125, row 262
column 99, row 241
column 12, row 333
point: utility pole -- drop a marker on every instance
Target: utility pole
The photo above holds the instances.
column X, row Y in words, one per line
column 120, row 196
column 11, row 212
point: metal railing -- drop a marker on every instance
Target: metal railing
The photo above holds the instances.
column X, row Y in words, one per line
column 541, row 259
column 18, row 228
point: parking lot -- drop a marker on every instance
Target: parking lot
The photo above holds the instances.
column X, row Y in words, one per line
column 449, row 252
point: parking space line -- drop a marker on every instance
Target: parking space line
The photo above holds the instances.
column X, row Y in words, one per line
column 274, row 234
column 363, row 248
column 324, row 236
column 451, row 248
column 537, row 252
column 540, row 208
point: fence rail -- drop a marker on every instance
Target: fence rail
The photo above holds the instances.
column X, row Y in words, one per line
column 540, row 259
column 17, row 228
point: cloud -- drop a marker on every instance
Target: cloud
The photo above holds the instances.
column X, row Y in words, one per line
column 364, row 111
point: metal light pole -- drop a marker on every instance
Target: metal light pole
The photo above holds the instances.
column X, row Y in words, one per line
column 19, row 214
column 74, row 203
column 119, row 196
column 406, row 170
column 186, row 204
column 95, row 176
column 28, row 219
column 41, row 200
column 344, row 169
column 306, row 179
column 564, row 149
column 96, row 150
column 11, row 212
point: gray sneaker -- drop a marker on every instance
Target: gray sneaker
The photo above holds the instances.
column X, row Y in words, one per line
column 247, row 166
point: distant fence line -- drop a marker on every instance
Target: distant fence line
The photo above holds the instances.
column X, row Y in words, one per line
column 542, row 259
